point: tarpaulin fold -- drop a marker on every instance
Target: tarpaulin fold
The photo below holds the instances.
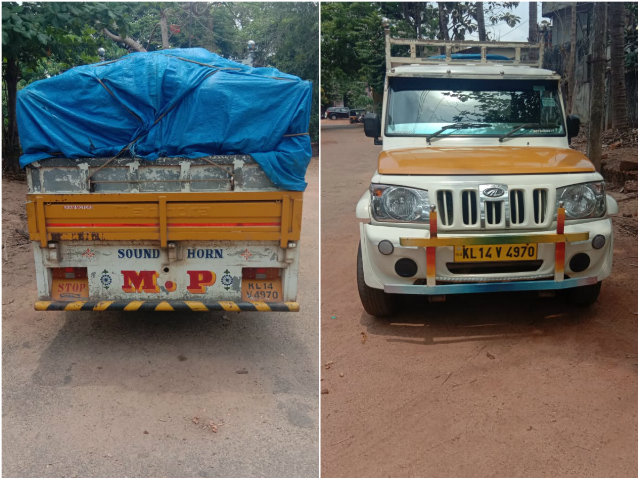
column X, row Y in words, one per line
column 170, row 103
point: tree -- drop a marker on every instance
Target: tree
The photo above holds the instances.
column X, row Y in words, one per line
column 352, row 50
column 598, row 65
column 533, row 22
column 458, row 19
column 41, row 39
column 618, row 88
column 571, row 69
column 482, row 31
column 443, row 20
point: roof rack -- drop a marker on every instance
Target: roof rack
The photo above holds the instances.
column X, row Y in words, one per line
column 429, row 52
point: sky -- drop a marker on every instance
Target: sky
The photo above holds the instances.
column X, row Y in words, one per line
column 503, row 32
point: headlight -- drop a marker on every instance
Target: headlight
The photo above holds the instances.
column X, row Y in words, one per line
column 399, row 204
column 583, row 200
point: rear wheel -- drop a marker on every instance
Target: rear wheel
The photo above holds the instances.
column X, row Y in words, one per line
column 374, row 301
column 584, row 296
column 333, row 116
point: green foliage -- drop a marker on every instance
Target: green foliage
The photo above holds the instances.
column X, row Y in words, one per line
column 631, row 37
column 352, row 50
column 353, row 38
column 41, row 39
column 463, row 16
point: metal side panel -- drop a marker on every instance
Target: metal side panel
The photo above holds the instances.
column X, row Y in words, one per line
column 132, row 175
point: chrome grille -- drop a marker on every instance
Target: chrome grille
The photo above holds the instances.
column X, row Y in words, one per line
column 539, row 205
column 445, row 206
column 469, row 206
column 493, row 212
column 516, row 204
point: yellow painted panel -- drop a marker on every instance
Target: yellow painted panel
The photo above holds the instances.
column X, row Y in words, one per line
column 293, row 306
column 261, row 306
column 103, row 305
column 196, row 306
column 41, row 306
column 133, row 306
column 482, row 160
column 191, row 216
column 494, row 240
column 164, row 307
column 229, row 306
column 74, row 306
column 224, row 210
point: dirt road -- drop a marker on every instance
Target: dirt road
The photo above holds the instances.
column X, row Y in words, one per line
column 490, row 386
column 137, row 395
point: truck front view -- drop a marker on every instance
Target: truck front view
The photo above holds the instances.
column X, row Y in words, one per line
column 477, row 189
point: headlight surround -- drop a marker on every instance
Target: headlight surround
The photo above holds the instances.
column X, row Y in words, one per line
column 583, row 200
column 391, row 203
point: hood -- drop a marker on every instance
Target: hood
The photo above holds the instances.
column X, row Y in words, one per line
column 482, row 160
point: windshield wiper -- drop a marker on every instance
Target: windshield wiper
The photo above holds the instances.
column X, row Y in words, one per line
column 455, row 126
column 526, row 125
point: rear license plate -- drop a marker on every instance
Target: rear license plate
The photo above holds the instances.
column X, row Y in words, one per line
column 262, row 290
column 69, row 289
column 495, row 253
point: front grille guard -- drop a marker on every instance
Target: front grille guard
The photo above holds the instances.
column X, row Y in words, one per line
column 430, row 244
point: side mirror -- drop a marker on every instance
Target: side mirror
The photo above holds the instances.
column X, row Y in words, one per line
column 372, row 127
column 573, row 126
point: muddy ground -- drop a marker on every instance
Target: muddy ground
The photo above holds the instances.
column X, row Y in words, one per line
column 500, row 385
column 156, row 395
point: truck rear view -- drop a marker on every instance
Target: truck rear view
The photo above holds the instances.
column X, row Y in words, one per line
column 166, row 181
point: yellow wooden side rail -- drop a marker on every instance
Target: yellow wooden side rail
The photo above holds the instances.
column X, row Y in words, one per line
column 165, row 217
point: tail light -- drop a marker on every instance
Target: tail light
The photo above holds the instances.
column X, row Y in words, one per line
column 251, row 273
column 69, row 272
column 69, row 284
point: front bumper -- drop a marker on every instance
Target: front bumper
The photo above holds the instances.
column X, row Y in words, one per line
column 379, row 269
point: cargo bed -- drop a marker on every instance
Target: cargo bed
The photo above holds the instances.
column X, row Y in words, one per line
column 175, row 234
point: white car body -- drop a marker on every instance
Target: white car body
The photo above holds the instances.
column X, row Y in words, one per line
column 442, row 167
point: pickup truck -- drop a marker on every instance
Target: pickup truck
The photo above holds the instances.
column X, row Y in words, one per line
column 144, row 229
column 477, row 188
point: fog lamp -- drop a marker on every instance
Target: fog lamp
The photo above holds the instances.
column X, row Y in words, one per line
column 598, row 242
column 385, row 247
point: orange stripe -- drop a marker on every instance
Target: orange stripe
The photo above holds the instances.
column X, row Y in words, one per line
column 433, row 224
column 255, row 224
column 102, row 224
column 431, row 266
column 560, row 247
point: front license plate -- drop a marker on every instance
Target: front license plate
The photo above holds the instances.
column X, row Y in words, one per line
column 495, row 253
column 69, row 289
column 262, row 290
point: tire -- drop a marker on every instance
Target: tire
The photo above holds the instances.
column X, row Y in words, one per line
column 333, row 116
column 374, row 301
column 584, row 296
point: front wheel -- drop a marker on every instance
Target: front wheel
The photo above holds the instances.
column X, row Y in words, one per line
column 584, row 296
column 374, row 301
column 333, row 116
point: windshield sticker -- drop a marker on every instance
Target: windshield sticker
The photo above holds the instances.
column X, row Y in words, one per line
column 539, row 88
column 548, row 102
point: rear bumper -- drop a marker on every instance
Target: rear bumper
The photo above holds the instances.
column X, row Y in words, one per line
column 168, row 306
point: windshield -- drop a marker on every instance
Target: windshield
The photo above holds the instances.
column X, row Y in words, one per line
column 421, row 107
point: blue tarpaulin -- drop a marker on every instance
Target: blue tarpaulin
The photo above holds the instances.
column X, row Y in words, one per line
column 170, row 103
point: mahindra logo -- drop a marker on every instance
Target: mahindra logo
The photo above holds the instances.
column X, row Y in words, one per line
column 493, row 192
